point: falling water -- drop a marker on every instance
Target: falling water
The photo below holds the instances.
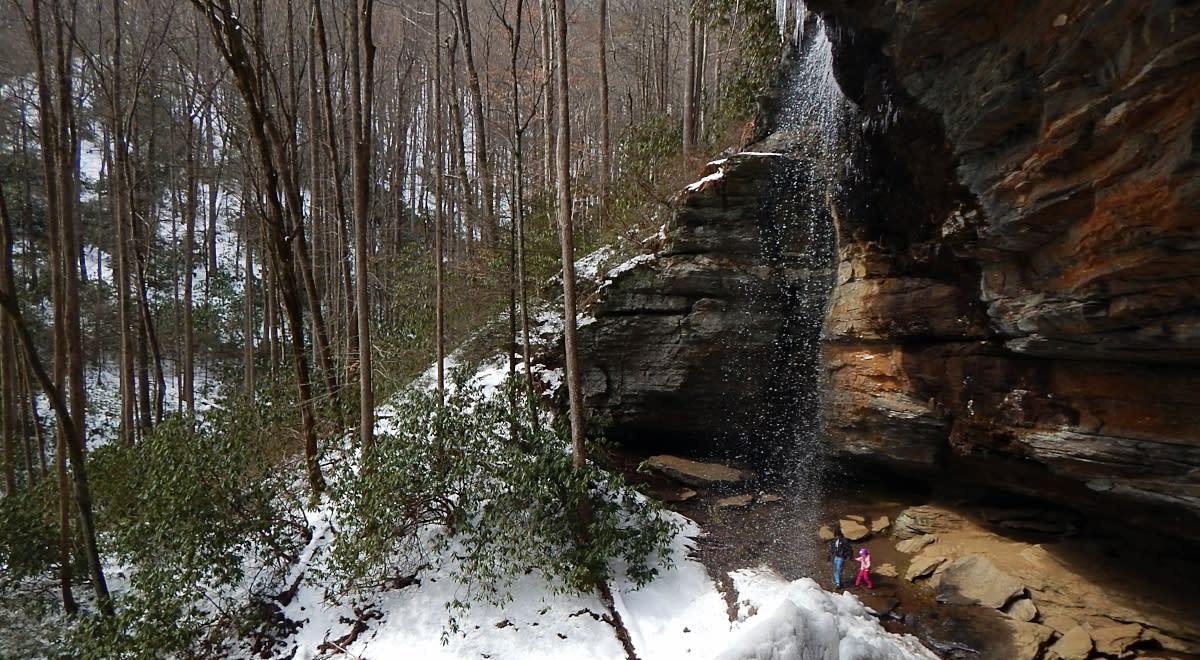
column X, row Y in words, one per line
column 798, row 243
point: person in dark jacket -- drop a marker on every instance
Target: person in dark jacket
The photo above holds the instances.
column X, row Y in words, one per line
column 839, row 551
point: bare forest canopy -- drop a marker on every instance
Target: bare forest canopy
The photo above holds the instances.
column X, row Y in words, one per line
column 196, row 171
column 300, row 203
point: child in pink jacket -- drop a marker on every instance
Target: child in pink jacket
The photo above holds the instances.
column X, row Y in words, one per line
column 864, row 568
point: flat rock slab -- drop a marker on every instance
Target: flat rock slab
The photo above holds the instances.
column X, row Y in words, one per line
column 887, row 570
column 1116, row 640
column 735, row 502
column 681, row 495
column 853, row 529
column 923, row 567
column 925, row 519
column 973, row 580
column 916, row 543
column 697, row 473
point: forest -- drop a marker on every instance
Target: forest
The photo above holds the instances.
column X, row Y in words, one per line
column 230, row 229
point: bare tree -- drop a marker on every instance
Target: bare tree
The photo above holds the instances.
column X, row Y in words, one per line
column 282, row 224
column 605, row 166
column 439, row 222
column 562, row 159
column 362, row 80
column 487, row 219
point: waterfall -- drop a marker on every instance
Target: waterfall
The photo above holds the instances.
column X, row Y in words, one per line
column 798, row 243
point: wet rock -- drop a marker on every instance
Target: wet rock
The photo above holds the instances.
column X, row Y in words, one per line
column 767, row 498
column 680, row 338
column 697, row 473
column 1075, row 644
column 975, row 580
column 915, row 544
column 735, row 502
column 923, row 567
column 854, row 530
column 954, row 634
column 886, row 570
column 1116, row 640
column 825, row 533
column 681, row 495
column 1022, row 609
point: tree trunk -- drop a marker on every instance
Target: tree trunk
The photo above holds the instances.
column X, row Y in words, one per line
column 9, row 375
column 567, row 239
column 605, row 116
column 487, row 219
column 187, row 392
column 317, row 29
column 689, row 87
column 248, row 358
column 281, row 225
column 548, row 146
column 362, row 62
column 439, row 248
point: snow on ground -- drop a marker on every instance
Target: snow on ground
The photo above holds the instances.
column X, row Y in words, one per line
column 681, row 615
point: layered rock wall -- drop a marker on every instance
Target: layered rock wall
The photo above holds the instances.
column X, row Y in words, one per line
column 1018, row 297
column 698, row 348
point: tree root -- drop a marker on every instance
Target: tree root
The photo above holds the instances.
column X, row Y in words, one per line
column 613, row 618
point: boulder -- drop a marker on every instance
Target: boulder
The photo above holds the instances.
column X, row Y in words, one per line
column 974, row 580
column 919, row 520
column 853, row 529
column 880, row 525
column 1075, row 644
column 915, row 544
column 886, row 570
column 1021, row 609
column 922, row 567
column 697, row 473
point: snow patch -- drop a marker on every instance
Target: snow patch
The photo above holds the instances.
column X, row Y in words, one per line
column 697, row 185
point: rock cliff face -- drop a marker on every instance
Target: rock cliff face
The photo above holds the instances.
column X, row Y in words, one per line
column 1016, row 279
column 702, row 347
column 1018, row 292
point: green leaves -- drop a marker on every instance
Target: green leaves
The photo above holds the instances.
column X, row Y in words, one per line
column 190, row 509
column 28, row 533
column 476, row 480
